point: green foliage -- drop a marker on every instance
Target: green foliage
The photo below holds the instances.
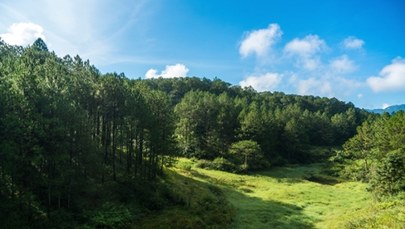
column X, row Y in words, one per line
column 218, row 163
column 376, row 154
column 40, row 45
column 389, row 176
column 206, row 124
column 66, row 129
column 112, row 216
column 247, row 154
column 184, row 165
column 286, row 127
column 223, row 164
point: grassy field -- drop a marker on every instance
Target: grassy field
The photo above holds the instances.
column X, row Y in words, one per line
column 292, row 197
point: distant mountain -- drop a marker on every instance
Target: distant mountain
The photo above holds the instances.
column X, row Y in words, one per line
column 390, row 109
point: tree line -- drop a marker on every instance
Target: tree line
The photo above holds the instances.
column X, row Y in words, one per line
column 212, row 116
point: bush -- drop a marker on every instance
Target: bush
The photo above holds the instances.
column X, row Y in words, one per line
column 223, row 164
column 112, row 216
column 389, row 176
column 218, row 163
column 185, row 165
column 204, row 164
column 354, row 171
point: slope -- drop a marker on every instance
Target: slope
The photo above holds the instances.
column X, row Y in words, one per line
column 287, row 197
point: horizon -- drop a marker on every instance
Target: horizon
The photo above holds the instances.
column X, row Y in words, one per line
column 348, row 50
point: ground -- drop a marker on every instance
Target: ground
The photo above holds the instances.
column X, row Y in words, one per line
column 285, row 197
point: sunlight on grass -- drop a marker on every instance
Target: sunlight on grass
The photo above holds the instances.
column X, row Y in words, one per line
column 286, row 198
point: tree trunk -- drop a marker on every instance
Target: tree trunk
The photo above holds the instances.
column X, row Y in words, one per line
column 114, row 148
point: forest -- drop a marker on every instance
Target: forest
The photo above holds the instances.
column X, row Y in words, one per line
column 82, row 149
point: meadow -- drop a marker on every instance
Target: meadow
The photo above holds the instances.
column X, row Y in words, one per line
column 292, row 197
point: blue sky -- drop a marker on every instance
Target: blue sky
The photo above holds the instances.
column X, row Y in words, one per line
column 351, row 50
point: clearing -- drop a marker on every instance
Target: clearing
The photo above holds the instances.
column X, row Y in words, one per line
column 285, row 197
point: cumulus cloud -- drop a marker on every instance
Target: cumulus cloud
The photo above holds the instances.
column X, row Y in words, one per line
column 171, row 71
column 307, row 46
column 391, row 77
column 260, row 41
column 265, row 82
column 352, row 43
column 306, row 50
column 326, row 84
column 342, row 64
column 23, row 33
column 313, row 86
column 344, row 86
column 310, row 63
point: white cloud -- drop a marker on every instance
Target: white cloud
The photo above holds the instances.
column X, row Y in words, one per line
column 305, row 47
column 391, row 77
column 265, row 82
column 344, row 86
column 352, row 43
column 93, row 29
column 385, row 105
column 310, row 63
column 306, row 50
column 23, row 33
column 260, row 41
column 151, row 73
column 342, row 64
column 171, row 71
column 313, row 86
column 325, row 84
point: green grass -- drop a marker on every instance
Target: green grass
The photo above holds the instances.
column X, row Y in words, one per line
column 294, row 197
column 388, row 214
column 196, row 204
column 285, row 197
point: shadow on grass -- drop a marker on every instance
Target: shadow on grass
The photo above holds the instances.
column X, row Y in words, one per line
column 324, row 180
column 190, row 203
column 300, row 173
column 253, row 212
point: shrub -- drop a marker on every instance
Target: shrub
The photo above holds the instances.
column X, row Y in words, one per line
column 112, row 216
column 218, row 163
column 204, row 164
column 389, row 176
column 185, row 165
column 223, row 164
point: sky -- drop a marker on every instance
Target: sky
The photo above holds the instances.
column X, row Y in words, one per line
column 351, row 50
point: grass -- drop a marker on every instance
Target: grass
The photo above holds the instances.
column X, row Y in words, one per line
column 287, row 197
column 197, row 205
